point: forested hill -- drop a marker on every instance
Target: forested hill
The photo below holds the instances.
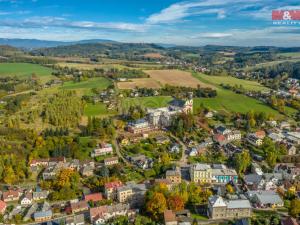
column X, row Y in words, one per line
column 111, row 50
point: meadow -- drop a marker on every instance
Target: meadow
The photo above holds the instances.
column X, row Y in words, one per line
column 228, row 101
column 98, row 109
column 146, row 102
column 86, row 86
column 217, row 80
column 25, row 70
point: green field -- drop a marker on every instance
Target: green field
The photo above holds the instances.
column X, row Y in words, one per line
column 98, row 109
column 217, row 80
column 87, row 85
column 293, row 55
column 25, row 70
column 229, row 101
column 147, row 102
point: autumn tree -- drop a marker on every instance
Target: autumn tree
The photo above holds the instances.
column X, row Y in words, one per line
column 175, row 202
column 156, row 205
column 295, row 208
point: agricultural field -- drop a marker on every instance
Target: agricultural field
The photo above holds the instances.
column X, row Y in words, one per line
column 146, row 102
column 86, row 86
column 176, row 78
column 139, row 82
column 153, row 55
column 90, row 66
column 25, row 70
column 217, row 80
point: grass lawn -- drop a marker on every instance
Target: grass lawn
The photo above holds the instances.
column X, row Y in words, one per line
column 98, row 109
column 87, row 85
column 147, row 102
column 25, row 70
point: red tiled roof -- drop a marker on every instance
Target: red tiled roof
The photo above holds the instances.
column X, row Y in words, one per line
column 95, row 197
column 260, row 134
column 2, row 206
column 9, row 193
column 114, row 184
column 97, row 211
column 219, row 137
column 169, row 216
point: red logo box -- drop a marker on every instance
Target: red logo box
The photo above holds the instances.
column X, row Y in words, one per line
column 286, row 14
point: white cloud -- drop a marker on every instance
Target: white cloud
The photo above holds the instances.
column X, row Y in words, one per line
column 181, row 10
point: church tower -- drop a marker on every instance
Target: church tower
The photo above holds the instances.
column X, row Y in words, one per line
column 188, row 106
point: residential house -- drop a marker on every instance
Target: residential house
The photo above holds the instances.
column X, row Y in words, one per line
column 132, row 193
column 260, row 134
column 285, row 125
column 75, row 220
column 170, row 218
column 40, row 195
column 165, row 182
column 201, row 173
column 175, row 148
column 110, row 189
column 142, row 161
column 234, row 135
column 2, row 207
column 221, row 129
column 218, row 208
column 254, row 140
column 111, row 161
column 42, row 216
column 162, row 139
column 291, row 149
column 26, row 199
column 94, row 197
column 103, row 149
column 47, row 161
column 276, row 137
column 293, row 137
column 217, row 173
column 255, row 168
column 174, row 176
column 220, row 139
column 11, row 195
column 87, row 171
column 221, row 174
column 289, row 170
column 265, row 199
column 79, row 206
column 101, row 214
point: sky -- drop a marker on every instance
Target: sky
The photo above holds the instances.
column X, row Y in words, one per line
column 190, row 22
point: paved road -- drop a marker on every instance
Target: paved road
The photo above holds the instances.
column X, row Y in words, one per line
column 184, row 157
column 117, row 147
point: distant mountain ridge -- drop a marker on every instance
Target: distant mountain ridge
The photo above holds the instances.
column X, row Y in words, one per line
column 35, row 43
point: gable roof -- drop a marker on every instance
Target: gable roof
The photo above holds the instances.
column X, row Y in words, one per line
column 95, row 197
column 217, row 201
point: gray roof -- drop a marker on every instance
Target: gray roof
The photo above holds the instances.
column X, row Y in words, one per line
column 42, row 214
column 201, row 166
column 238, row 204
column 252, row 178
column 267, row 197
column 269, row 176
